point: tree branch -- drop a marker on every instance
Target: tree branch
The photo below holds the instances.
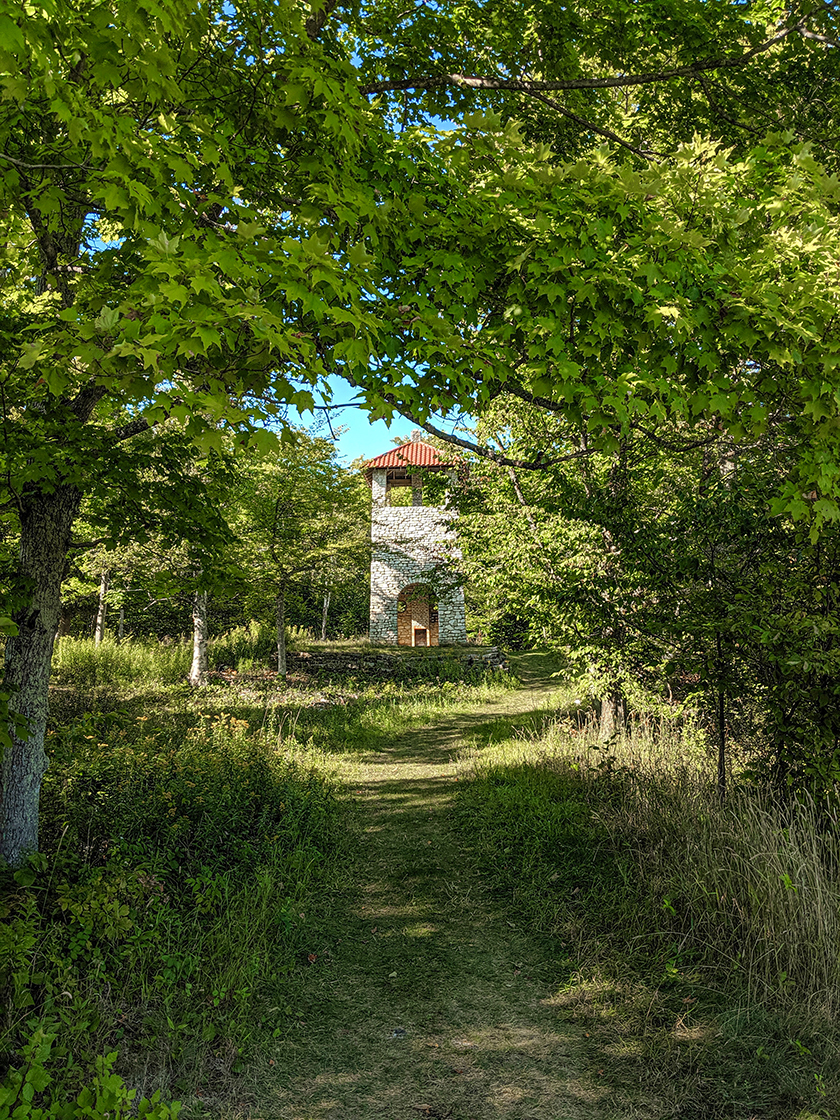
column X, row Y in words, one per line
column 555, row 406
column 532, row 523
column 538, row 463
column 820, row 38
column 315, row 23
column 470, row 81
column 86, row 546
column 43, row 166
column 126, row 431
column 541, row 402
column 605, row 132
column 669, row 445
column 86, row 400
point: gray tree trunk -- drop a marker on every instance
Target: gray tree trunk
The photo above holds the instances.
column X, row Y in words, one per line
column 46, row 524
column 201, row 634
column 102, row 609
column 280, row 608
column 327, row 598
column 121, row 625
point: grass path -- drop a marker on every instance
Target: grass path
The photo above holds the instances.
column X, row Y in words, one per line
column 426, row 999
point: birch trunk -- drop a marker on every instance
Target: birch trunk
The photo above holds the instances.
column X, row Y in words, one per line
column 327, row 598
column 121, row 626
column 101, row 610
column 201, row 634
column 46, row 525
column 280, row 608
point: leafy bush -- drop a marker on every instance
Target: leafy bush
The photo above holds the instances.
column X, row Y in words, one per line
column 109, row 1098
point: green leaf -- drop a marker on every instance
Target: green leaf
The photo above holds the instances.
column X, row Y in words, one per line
column 107, row 319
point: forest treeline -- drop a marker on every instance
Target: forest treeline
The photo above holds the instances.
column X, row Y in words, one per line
column 224, row 541
column 669, row 571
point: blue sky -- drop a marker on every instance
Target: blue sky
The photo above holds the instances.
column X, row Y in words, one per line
column 361, row 436
column 356, row 435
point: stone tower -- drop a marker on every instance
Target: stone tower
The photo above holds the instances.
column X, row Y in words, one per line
column 414, row 599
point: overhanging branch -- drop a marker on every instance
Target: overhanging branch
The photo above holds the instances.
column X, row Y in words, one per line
column 538, row 463
column 619, row 81
column 607, row 133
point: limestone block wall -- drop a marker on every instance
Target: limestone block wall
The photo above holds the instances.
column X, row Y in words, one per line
column 410, row 544
column 400, row 664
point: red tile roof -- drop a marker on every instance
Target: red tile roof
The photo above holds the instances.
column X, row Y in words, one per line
column 413, row 454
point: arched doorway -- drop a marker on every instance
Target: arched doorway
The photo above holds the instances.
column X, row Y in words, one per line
column 417, row 616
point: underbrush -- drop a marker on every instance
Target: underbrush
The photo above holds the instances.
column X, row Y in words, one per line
column 165, row 907
column 81, row 665
column 699, row 942
column 78, row 663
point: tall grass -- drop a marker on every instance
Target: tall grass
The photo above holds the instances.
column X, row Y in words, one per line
column 727, row 912
column 80, row 664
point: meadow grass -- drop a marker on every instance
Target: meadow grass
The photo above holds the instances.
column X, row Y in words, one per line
column 185, row 836
column 700, row 940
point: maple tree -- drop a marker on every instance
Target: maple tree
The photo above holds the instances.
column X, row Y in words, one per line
column 208, row 210
column 297, row 517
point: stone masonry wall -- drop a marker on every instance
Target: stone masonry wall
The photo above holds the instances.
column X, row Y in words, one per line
column 383, row 664
column 411, row 544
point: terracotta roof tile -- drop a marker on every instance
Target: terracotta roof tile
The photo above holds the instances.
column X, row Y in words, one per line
column 413, row 454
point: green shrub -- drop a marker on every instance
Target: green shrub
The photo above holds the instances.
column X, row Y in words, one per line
column 108, row 1098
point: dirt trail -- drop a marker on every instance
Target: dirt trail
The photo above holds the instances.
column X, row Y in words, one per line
column 425, row 999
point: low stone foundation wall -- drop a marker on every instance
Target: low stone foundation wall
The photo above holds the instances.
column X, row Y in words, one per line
column 400, row 664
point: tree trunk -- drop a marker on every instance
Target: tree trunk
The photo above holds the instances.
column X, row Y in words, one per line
column 721, row 766
column 46, row 525
column 201, row 633
column 721, row 723
column 99, row 627
column 280, row 607
column 612, row 715
column 63, row 625
column 121, row 625
column 327, row 598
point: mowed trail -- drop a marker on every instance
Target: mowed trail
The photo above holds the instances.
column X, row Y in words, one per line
column 426, row 999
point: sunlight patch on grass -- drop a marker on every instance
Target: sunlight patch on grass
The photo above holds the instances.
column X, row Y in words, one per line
column 418, row 929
